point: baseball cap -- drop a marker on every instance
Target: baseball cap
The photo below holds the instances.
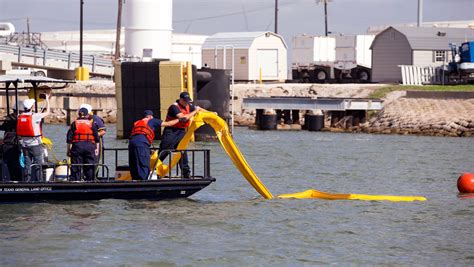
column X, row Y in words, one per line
column 147, row 112
column 185, row 96
column 83, row 111
column 86, row 106
column 28, row 103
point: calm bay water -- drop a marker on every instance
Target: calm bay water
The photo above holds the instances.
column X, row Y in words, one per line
column 229, row 224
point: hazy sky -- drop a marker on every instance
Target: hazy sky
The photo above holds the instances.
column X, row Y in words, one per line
column 211, row 16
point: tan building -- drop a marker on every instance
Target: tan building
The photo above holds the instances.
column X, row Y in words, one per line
column 417, row 46
column 255, row 54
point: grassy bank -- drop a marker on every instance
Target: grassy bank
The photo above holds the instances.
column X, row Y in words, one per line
column 383, row 91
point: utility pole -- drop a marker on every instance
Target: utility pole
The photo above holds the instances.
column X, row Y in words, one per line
column 276, row 16
column 420, row 13
column 119, row 30
column 325, row 2
column 80, row 34
column 28, row 29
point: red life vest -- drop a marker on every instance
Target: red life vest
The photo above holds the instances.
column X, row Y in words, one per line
column 83, row 132
column 142, row 127
column 180, row 124
column 26, row 127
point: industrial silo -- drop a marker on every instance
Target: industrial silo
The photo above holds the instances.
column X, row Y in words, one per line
column 148, row 28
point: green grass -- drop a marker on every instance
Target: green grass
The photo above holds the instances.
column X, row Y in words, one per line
column 383, row 91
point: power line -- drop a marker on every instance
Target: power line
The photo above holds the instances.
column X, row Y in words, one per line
column 233, row 13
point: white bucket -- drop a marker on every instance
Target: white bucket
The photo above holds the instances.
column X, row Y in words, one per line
column 62, row 172
column 48, row 174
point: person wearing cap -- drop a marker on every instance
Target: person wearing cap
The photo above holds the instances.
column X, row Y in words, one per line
column 99, row 122
column 142, row 136
column 183, row 110
column 29, row 132
column 83, row 146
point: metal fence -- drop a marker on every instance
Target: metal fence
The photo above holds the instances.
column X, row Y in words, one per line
column 46, row 55
column 419, row 75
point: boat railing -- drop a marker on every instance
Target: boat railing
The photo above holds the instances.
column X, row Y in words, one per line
column 199, row 162
column 54, row 176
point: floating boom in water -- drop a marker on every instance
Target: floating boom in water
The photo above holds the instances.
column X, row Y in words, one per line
column 225, row 138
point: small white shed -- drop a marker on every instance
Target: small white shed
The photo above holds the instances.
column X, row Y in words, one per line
column 255, row 54
column 417, row 46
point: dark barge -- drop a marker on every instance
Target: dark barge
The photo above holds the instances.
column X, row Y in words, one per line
column 55, row 186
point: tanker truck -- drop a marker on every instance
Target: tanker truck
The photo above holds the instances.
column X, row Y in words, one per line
column 341, row 58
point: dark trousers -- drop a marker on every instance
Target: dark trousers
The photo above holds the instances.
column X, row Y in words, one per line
column 11, row 169
column 33, row 155
column 170, row 140
column 139, row 160
column 82, row 153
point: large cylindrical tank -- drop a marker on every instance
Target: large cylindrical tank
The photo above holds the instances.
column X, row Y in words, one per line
column 6, row 29
column 148, row 25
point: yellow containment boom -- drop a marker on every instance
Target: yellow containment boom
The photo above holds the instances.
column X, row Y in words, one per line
column 312, row 193
column 225, row 138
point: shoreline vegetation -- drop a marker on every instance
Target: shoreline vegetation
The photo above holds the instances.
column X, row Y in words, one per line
column 431, row 116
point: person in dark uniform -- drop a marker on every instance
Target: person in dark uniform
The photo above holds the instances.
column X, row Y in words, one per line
column 83, row 146
column 143, row 133
column 183, row 110
column 99, row 122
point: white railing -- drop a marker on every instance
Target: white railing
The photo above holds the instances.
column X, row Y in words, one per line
column 420, row 75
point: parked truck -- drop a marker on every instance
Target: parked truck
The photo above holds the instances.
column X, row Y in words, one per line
column 332, row 58
column 461, row 67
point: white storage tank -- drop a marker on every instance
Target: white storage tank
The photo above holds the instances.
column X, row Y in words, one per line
column 148, row 28
column 6, row 29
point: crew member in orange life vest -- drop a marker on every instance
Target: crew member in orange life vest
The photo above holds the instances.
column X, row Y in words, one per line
column 29, row 132
column 143, row 133
column 183, row 110
column 83, row 146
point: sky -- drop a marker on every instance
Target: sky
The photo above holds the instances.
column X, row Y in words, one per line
column 211, row 16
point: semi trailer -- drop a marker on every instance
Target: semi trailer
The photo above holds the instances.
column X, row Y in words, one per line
column 332, row 58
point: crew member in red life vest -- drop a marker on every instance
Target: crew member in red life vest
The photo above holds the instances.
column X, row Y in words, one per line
column 83, row 146
column 99, row 122
column 29, row 132
column 143, row 133
column 183, row 110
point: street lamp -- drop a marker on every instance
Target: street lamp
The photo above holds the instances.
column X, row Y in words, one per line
column 325, row 2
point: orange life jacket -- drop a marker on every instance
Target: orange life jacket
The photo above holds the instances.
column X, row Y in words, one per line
column 142, row 127
column 181, row 124
column 26, row 127
column 83, row 132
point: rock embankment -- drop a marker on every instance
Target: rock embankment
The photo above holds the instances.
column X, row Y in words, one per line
column 422, row 116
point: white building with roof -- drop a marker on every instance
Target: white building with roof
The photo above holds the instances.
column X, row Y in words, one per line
column 418, row 46
column 256, row 54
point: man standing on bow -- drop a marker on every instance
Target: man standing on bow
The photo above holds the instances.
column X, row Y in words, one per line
column 183, row 110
